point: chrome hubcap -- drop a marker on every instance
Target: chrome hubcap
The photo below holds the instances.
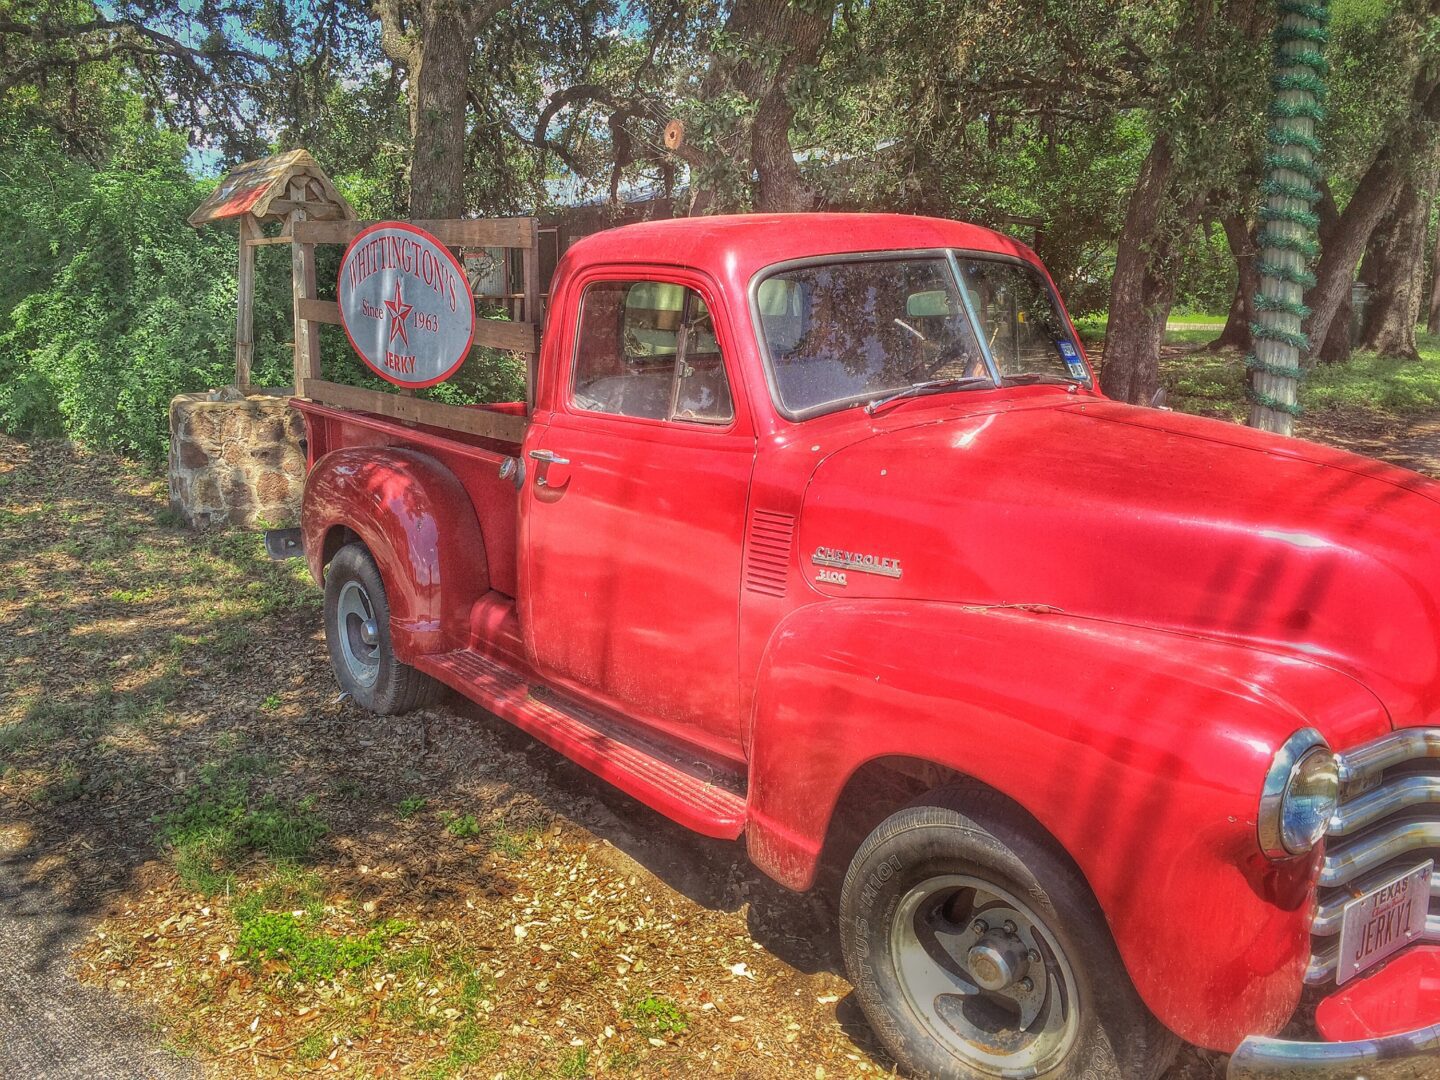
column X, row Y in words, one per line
column 358, row 633
column 985, row 975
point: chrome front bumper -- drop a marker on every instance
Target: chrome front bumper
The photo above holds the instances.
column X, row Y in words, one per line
column 1414, row 1055
column 1388, row 818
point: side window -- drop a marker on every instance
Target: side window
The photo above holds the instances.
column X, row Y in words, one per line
column 648, row 349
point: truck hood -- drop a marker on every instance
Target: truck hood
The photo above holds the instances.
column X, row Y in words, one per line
column 1147, row 518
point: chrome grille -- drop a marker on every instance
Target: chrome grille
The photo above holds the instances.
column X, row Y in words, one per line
column 1388, row 821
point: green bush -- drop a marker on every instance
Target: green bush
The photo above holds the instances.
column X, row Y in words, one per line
column 121, row 304
column 112, row 304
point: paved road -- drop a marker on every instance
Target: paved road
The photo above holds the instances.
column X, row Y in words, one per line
column 51, row 1027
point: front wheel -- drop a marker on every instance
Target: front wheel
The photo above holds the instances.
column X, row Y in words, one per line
column 357, row 631
column 976, row 952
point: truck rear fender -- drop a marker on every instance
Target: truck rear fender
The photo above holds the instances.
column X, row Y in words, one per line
column 1141, row 753
column 419, row 525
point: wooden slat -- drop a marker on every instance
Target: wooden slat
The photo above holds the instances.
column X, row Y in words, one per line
column 482, row 422
column 302, row 284
column 245, row 307
column 267, row 241
column 491, row 333
column 314, row 211
column 508, row 336
column 465, row 232
column 321, row 311
column 530, row 267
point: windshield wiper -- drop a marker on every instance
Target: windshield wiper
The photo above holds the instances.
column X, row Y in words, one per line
column 1029, row 378
column 929, row 386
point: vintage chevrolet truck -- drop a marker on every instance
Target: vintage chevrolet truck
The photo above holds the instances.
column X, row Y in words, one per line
column 1116, row 727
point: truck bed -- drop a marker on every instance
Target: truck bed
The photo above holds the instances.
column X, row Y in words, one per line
column 475, row 461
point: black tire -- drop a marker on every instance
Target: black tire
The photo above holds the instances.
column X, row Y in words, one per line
column 970, row 834
column 380, row 682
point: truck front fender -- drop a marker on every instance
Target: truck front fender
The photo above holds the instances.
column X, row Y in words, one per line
column 419, row 525
column 1141, row 753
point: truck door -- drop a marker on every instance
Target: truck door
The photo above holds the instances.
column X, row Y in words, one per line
column 634, row 512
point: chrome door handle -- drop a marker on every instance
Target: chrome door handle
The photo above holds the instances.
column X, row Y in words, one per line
column 549, row 457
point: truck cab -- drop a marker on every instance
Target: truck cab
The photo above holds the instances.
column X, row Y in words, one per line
column 1110, row 726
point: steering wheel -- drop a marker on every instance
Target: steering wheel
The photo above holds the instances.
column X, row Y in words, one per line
column 955, row 352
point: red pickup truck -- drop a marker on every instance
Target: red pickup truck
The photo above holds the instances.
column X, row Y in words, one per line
column 1119, row 726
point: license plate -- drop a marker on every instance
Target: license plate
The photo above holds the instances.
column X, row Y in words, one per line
column 1384, row 921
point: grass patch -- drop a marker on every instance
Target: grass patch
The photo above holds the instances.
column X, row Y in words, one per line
column 462, row 825
column 312, row 1048
column 1378, row 382
column 26, row 733
column 410, row 806
column 310, row 954
column 1206, row 383
column 470, row 1043
column 656, row 1017
column 220, row 822
column 289, row 889
column 1195, row 335
column 513, row 842
column 575, row 1065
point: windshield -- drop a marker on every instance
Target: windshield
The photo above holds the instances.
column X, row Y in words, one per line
column 854, row 331
column 1024, row 332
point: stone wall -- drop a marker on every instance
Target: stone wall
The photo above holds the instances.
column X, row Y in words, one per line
column 236, row 460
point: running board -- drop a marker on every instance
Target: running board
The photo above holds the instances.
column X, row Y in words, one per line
column 688, row 792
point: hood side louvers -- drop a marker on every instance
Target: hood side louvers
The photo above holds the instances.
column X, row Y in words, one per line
column 768, row 544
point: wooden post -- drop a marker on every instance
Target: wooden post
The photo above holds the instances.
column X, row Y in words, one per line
column 245, row 308
column 530, row 267
column 302, row 282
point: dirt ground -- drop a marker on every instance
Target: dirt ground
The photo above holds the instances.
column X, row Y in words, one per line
column 284, row 884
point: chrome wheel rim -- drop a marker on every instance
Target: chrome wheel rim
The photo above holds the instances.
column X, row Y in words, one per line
column 358, row 633
column 984, row 974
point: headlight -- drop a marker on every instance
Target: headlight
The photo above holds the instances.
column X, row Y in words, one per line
column 1301, row 792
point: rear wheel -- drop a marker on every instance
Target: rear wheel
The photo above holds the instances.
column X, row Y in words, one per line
column 977, row 951
column 357, row 631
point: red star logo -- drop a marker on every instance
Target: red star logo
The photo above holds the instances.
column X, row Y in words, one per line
column 399, row 312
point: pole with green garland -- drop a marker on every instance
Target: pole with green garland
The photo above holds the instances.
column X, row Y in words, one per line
column 1287, row 240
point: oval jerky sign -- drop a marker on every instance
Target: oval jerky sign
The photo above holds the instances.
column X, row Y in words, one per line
column 405, row 304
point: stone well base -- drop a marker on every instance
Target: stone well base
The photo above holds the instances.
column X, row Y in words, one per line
column 236, row 460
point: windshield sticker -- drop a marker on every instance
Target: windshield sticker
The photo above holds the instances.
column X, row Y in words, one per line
column 1073, row 363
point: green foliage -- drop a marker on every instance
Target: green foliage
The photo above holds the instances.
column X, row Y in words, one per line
column 656, row 1017
column 310, row 954
column 470, row 1043
column 220, row 822
column 575, row 1065
column 1379, row 382
column 120, row 304
column 462, row 825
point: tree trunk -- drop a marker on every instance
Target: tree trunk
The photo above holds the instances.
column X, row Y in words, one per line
column 1432, row 324
column 437, row 112
column 767, row 44
column 1433, row 321
column 1236, row 334
column 1143, row 288
column 434, row 41
column 1394, row 265
column 1335, row 349
column 1340, row 254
